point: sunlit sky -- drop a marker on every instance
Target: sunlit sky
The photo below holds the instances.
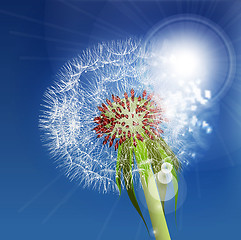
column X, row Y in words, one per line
column 37, row 200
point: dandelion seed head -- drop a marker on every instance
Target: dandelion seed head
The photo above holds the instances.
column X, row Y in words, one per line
column 73, row 107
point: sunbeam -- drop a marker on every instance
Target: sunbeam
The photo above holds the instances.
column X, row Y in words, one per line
column 107, row 220
column 27, row 35
column 105, row 25
column 35, row 197
column 63, row 201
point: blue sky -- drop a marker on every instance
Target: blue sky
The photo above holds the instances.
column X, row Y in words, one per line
column 37, row 201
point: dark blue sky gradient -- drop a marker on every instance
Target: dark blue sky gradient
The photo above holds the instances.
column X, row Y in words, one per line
column 36, row 200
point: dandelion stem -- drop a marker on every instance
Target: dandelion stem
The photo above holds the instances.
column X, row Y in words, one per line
column 154, row 205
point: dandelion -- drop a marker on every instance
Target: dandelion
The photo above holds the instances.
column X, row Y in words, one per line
column 132, row 125
column 105, row 128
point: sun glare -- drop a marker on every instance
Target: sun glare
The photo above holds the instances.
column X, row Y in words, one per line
column 186, row 62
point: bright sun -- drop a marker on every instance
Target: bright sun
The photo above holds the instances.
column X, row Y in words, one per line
column 186, row 62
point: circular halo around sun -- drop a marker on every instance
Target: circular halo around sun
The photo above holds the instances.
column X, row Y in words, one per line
column 191, row 48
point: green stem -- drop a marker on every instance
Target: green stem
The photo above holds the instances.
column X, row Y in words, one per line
column 155, row 207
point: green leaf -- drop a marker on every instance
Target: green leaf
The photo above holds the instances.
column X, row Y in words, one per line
column 154, row 154
column 142, row 159
column 157, row 151
column 175, row 186
column 132, row 196
column 174, row 161
column 118, row 169
column 166, row 151
column 124, row 162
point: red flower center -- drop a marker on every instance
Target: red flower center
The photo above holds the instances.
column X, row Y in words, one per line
column 136, row 117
